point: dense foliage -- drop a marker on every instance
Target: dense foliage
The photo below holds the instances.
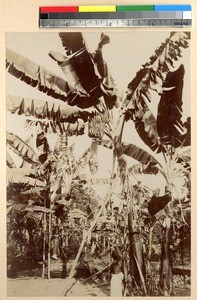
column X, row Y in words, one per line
column 53, row 211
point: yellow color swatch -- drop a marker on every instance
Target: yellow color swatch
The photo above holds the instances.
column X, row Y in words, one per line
column 99, row 8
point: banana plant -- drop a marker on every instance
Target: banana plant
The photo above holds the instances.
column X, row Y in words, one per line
column 48, row 176
column 95, row 101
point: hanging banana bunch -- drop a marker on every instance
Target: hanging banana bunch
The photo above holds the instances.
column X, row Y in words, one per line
column 97, row 124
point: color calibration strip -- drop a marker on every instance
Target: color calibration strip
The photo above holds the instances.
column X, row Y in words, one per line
column 116, row 16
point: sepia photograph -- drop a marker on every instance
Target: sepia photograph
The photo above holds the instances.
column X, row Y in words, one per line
column 98, row 155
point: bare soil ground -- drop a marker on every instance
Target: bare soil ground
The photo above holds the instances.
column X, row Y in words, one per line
column 37, row 287
column 28, row 283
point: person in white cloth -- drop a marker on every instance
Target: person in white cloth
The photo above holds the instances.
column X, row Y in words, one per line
column 116, row 283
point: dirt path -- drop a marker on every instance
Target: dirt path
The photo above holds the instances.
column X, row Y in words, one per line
column 37, row 287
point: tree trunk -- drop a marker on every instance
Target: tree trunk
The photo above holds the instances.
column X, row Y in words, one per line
column 166, row 277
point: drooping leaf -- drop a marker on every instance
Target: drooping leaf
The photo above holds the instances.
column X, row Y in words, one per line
column 77, row 213
column 9, row 161
column 184, row 158
column 54, row 117
column 158, row 203
column 108, row 84
column 149, row 168
column 64, row 62
column 19, row 175
column 151, row 77
column 95, row 181
column 169, row 117
column 31, row 208
column 137, row 153
column 184, row 155
column 87, row 72
column 72, row 41
column 42, row 146
column 18, row 146
column 41, row 78
column 35, row 190
column 35, row 75
column 80, row 72
column 145, row 123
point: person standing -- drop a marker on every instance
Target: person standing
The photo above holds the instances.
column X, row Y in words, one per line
column 116, row 282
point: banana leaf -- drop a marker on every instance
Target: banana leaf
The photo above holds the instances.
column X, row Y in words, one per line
column 9, row 161
column 184, row 158
column 35, row 75
column 65, row 64
column 184, row 155
column 19, row 175
column 137, row 153
column 149, row 168
column 80, row 71
column 158, row 203
column 56, row 110
column 88, row 72
column 35, row 190
column 39, row 77
column 95, row 181
column 72, row 41
column 108, row 83
column 169, row 118
column 31, row 208
column 22, row 149
column 42, row 146
column 151, row 77
column 50, row 126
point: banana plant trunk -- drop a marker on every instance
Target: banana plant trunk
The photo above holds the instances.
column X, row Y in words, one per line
column 44, row 244
column 49, row 246
column 137, row 266
column 94, row 222
column 166, row 276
